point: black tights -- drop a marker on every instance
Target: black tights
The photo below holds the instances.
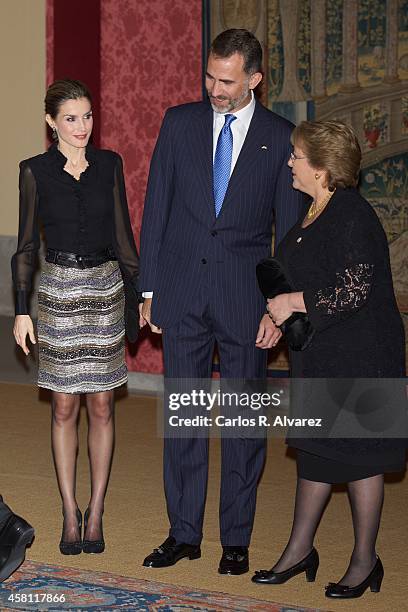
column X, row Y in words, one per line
column 366, row 499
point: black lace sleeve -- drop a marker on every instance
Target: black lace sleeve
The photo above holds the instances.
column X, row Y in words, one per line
column 123, row 240
column 351, row 269
column 350, row 292
column 23, row 262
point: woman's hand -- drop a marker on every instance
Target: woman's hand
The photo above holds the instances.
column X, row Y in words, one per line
column 23, row 325
column 282, row 306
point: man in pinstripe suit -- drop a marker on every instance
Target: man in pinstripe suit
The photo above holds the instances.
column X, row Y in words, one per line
column 198, row 259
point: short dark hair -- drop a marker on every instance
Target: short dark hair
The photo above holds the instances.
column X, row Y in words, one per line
column 62, row 90
column 239, row 41
column 331, row 146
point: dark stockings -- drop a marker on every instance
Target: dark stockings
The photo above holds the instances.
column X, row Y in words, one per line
column 311, row 500
column 64, row 435
column 101, row 434
column 366, row 499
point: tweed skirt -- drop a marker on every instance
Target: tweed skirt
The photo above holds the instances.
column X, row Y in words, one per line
column 81, row 331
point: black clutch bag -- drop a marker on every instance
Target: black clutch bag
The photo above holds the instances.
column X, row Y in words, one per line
column 131, row 310
column 272, row 281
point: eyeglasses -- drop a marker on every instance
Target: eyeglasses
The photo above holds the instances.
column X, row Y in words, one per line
column 294, row 157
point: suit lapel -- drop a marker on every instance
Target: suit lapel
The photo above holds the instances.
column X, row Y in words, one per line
column 201, row 151
column 249, row 154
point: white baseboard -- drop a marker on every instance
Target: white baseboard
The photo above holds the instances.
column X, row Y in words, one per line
column 145, row 383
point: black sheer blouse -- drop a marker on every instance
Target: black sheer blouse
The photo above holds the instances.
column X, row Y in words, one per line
column 82, row 216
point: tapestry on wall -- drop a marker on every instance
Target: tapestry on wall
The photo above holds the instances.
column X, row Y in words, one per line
column 344, row 60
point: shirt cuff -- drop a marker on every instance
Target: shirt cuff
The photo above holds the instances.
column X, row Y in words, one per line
column 147, row 294
column 21, row 302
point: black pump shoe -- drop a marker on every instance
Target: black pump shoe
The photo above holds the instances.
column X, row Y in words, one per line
column 72, row 548
column 373, row 580
column 92, row 546
column 308, row 565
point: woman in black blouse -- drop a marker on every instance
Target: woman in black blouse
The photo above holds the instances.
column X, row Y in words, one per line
column 77, row 193
column 336, row 259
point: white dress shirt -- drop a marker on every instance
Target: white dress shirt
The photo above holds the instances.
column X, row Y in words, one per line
column 239, row 129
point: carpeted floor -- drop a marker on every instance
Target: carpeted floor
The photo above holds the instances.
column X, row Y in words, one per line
column 135, row 518
column 39, row 586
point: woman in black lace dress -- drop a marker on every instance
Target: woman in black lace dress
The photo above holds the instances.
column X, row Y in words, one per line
column 337, row 262
column 77, row 193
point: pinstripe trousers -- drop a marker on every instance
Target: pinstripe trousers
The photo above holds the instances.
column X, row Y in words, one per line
column 188, row 353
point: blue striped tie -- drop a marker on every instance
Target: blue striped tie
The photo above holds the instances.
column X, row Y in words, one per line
column 222, row 163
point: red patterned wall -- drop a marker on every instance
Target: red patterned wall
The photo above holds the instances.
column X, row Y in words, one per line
column 150, row 59
column 49, row 43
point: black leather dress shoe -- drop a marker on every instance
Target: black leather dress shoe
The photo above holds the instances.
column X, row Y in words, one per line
column 15, row 535
column 309, row 565
column 170, row 552
column 234, row 560
column 373, row 580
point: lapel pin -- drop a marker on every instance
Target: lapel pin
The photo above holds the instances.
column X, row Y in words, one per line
column 264, row 147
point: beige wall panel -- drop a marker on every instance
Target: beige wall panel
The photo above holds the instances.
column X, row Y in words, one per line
column 22, row 70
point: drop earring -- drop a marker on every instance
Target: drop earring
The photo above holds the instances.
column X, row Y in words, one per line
column 54, row 133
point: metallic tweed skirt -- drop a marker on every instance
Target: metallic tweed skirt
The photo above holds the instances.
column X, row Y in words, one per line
column 81, row 331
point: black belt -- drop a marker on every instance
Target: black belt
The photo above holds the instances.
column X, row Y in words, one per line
column 72, row 260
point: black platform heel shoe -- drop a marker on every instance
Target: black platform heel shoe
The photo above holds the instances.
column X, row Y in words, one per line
column 72, row 548
column 373, row 580
column 308, row 565
column 92, row 546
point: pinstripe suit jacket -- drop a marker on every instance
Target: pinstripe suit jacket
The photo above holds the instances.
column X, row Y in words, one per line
column 183, row 244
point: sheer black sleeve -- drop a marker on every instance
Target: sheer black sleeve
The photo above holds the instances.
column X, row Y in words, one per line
column 351, row 268
column 123, row 240
column 23, row 262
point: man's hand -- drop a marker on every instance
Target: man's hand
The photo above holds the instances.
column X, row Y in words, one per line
column 142, row 321
column 268, row 334
column 145, row 310
column 23, row 325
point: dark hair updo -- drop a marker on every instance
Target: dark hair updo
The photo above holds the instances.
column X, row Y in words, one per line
column 62, row 90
